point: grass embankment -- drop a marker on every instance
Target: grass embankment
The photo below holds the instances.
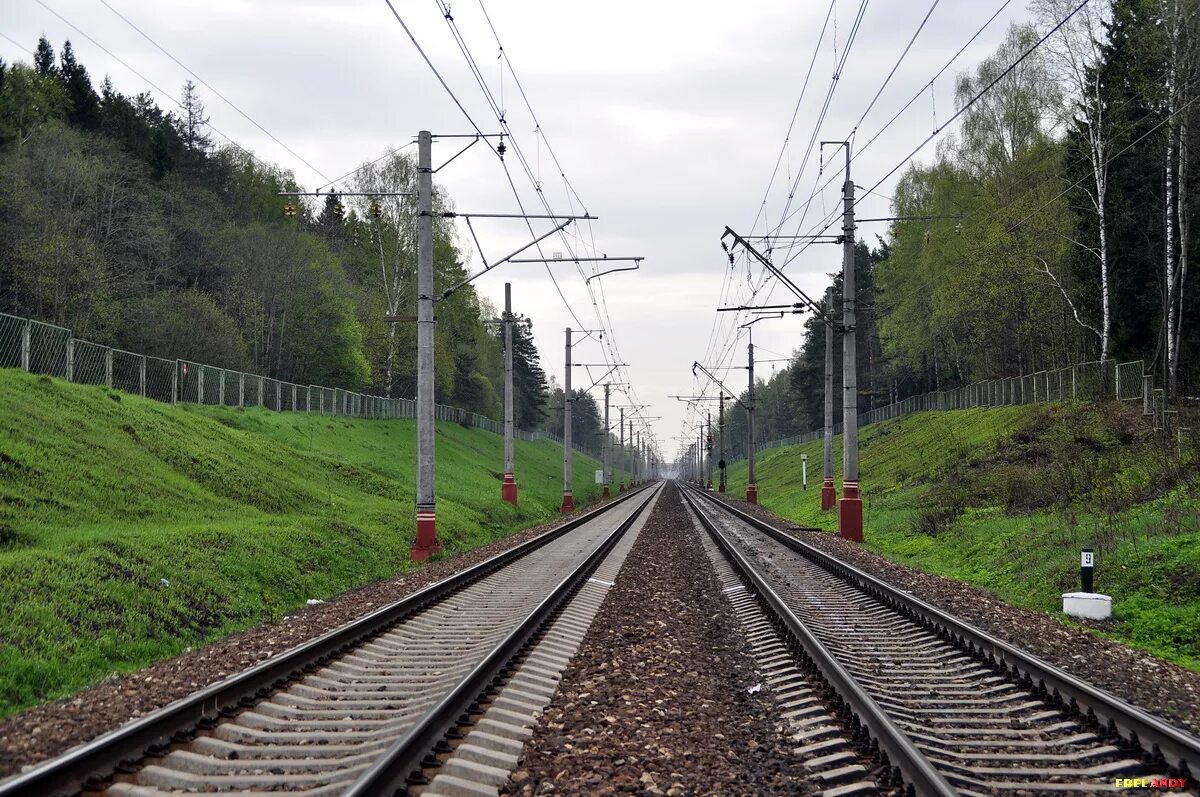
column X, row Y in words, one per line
column 131, row 529
column 1004, row 498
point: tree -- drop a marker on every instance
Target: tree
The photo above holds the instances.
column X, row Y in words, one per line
column 43, row 58
column 192, row 124
column 84, row 108
column 530, row 389
column 1074, row 57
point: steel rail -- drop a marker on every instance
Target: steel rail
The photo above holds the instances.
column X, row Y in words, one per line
column 89, row 765
column 1157, row 739
column 918, row 772
column 401, row 765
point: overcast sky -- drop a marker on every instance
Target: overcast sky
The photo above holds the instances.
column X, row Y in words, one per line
column 667, row 118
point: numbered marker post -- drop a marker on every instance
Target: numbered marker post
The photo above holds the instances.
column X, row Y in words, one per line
column 804, row 470
column 1087, row 568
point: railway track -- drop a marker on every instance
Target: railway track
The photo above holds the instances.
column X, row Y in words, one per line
column 949, row 708
column 378, row 705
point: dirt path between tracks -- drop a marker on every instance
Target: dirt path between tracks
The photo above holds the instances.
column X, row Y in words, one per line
column 657, row 699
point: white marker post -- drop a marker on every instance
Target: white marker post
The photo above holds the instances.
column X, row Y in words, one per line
column 1087, row 604
column 804, row 470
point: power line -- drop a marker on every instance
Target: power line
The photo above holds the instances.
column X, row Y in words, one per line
column 210, row 87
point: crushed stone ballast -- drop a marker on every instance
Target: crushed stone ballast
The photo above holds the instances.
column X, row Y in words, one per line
column 363, row 709
column 954, row 710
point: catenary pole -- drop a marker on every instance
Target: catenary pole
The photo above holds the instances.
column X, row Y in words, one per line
column 828, row 491
column 508, row 489
column 621, row 456
column 721, row 437
column 708, row 448
column 752, row 485
column 850, row 520
column 607, row 435
column 426, row 543
column 568, row 500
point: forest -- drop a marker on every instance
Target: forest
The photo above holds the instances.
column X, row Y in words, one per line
column 132, row 226
column 1064, row 234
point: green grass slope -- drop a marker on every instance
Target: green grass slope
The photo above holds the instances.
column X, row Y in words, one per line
column 1004, row 498
column 131, row 529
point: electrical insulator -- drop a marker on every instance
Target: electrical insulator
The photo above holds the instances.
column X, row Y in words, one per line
column 289, row 210
column 376, row 211
column 338, row 210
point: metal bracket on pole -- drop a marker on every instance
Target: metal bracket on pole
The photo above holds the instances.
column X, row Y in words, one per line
column 787, row 283
column 718, row 383
column 503, row 260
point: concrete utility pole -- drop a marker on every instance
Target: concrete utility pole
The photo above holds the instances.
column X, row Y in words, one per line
column 828, row 491
column 751, row 486
column 568, row 500
column 621, row 455
column 708, row 447
column 850, row 519
column 721, row 437
column 604, row 493
column 426, row 543
column 508, row 489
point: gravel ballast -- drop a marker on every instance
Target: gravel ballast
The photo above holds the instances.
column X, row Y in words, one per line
column 658, row 700
column 1162, row 688
column 47, row 730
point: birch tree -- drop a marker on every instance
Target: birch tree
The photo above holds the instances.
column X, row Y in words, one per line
column 1073, row 57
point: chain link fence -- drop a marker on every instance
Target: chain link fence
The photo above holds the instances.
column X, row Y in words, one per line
column 1091, row 381
column 42, row 348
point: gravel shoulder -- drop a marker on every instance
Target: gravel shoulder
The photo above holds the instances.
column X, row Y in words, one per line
column 47, row 730
column 1159, row 687
column 655, row 701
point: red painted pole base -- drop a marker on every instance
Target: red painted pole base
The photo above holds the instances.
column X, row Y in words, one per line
column 752, row 494
column 720, row 488
column 426, row 544
column 621, row 486
column 568, row 504
column 828, row 496
column 850, row 513
column 604, row 494
column 508, row 490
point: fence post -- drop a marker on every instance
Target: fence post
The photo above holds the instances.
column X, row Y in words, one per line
column 1074, row 386
column 221, row 389
column 1117, row 381
column 26, row 335
column 293, row 397
column 278, row 396
column 200, row 382
column 175, row 383
column 108, row 368
column 142, row 375
column 241, row 389
column 261, row 388
column 71, row 359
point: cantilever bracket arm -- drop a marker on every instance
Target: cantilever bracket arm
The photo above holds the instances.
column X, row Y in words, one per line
column 502, row 260
column 719, row 383
column 637, row 261
column 791, row 286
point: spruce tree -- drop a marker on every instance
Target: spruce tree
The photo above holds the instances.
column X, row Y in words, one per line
column 530, row 388
column 84, row 110
column 43, row 59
